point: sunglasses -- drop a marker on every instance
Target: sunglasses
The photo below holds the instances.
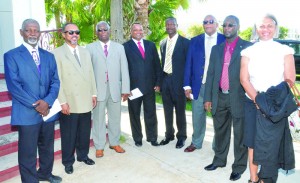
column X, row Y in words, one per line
column 228, row 25
column 205, row 22
column 102, row 30
column 71, row 32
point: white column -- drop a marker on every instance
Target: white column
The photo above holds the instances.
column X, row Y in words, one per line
column 12, row 14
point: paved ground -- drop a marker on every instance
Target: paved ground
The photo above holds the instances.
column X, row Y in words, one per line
column 164, row 164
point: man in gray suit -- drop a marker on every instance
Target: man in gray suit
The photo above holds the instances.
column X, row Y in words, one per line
column 224, row 94
column 112, row 80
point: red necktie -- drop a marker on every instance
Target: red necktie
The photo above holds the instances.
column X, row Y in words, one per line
column 105, row 50
column 224, row 84
column 141, row 49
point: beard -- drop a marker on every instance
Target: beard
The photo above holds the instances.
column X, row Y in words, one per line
column 32, row 40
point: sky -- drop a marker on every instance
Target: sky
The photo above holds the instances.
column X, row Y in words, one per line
column 287, row 12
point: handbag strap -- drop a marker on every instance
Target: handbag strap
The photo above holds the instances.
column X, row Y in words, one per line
column 295, row 91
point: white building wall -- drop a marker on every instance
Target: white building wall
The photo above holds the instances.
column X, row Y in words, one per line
column 12, row 14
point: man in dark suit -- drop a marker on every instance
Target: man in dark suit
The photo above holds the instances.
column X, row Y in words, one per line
column 173, row 56
column 77, row 97
column 195, row 76
column 145, row 74
column 224, row 96
column 32, row 80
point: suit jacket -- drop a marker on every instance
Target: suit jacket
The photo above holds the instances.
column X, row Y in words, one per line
column 144, row 73
column 194, row 67
column 26, row 85
column 77, row 83
column 178, row 61
column 237, row 93
column 117, row 67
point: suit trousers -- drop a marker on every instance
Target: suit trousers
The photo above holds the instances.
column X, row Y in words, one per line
column 113, row 125
column 150, row 118
column 199, row 119
column 170, row 100
column 32, row 137
column 75, row 130
column 223, row 120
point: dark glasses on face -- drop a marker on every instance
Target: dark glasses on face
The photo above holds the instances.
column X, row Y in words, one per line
column 208, row 22
column 71, row 32
column 102, row 30
column 228, row 25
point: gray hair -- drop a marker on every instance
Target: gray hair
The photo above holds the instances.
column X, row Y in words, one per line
column 29, row 21
column 213, row 17
column 102, row 22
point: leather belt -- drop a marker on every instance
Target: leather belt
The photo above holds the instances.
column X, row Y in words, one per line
column 166, row 74
column 224, row 91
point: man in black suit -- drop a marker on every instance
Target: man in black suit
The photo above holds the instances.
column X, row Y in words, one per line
column 173, row 51
column 224, row 96
column 145, row 74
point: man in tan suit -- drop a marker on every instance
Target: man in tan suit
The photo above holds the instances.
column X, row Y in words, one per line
column 112, row 79
column 77, row 96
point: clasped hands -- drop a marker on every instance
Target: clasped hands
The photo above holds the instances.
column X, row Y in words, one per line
column 41, row 107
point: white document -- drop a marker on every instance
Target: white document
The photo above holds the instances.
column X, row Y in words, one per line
column 135, row 93
column 54, row 110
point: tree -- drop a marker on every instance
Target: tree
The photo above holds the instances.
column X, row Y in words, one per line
column 195, row 30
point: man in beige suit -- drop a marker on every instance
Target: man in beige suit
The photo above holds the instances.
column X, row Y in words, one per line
column 112, row 79
column 77, row 96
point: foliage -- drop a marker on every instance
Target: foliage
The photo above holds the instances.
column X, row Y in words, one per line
column 283, row 32
column 86, row 14
column 246, row 34
column 194, row 30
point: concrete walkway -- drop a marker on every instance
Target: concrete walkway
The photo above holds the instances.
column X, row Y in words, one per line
column 163, row 164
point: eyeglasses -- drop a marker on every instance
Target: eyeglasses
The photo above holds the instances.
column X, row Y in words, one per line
column 71, row 32
column 208, row 22
column 228, row 25
column 102, row 30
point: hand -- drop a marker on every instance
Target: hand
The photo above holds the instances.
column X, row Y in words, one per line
column 94, row 100
column 207, row 106
column 157, row 88
column 188, row 93
column 65, row 109
column 125, row 96
column 42, row 107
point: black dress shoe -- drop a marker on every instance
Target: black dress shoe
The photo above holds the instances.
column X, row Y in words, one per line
column 138, row 143
column 52, row 179
column 212, row 167
column 154, row 143
column 180, row 143
column 235, row 176
column 166, row 141
column 69, row 169
column 87, row 161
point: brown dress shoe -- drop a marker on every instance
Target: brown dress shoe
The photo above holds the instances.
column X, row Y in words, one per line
column 190, row 148
column 117, row 148
column 99, row 153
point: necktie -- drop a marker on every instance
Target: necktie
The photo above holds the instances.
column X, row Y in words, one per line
column 105, row 50
column 77, row 58
column 36, row 59
column 141, row 49
column 168, row 60
column 208, row 47
column 224, row 78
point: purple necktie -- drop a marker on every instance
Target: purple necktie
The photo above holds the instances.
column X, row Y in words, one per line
column 36, row 59
column 224, row 84
column 141, row 49
column 105, row 50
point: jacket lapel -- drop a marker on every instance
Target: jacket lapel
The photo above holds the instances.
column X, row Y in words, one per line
column 237, row 51
column 71, row 58
column 29, row 60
